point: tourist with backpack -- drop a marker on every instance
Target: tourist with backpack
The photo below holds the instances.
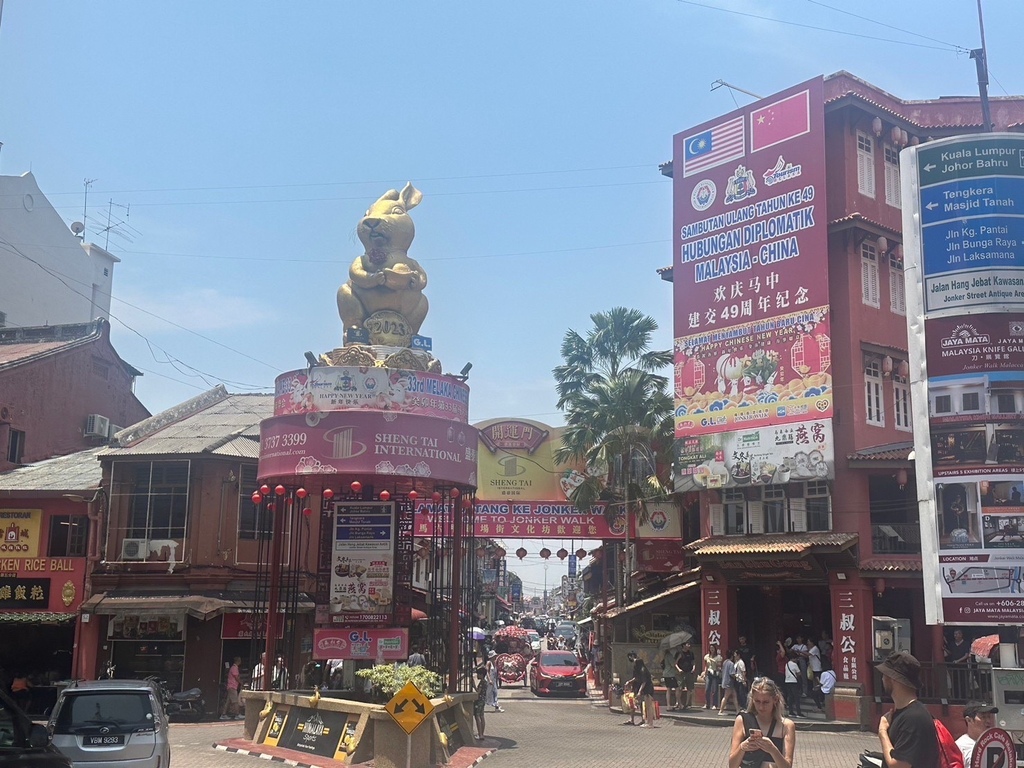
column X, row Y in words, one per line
column 907, row 732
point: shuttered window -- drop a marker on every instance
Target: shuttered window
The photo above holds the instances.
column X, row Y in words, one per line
column 869, row 274
column 892, row 175
column 865, row 164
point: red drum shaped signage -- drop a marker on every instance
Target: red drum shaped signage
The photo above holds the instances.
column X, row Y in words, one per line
column 368, row 442
column 340, row 388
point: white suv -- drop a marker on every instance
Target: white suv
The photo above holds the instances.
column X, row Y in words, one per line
column 111, row 722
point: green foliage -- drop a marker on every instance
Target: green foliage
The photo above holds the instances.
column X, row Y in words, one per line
column 389, row 679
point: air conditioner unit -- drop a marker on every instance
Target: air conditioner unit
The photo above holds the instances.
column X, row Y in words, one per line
column 96, row 425
column 113, row 430
column 134, row 549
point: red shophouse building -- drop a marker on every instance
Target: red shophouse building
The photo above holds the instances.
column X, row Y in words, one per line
column 823, row 537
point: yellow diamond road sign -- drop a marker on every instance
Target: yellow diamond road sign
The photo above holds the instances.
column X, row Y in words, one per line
column 409, row 707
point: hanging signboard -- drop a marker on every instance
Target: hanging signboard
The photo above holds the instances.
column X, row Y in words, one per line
column 963, row 220
column 362, row 562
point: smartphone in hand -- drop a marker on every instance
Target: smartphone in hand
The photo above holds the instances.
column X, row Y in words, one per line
column 755, row 733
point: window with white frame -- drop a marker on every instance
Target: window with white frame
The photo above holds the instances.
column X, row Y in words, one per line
column 901, row 405
column 773, row 501
column 943, row 404
column 971, row 402
column 159, row 501
column 892, row 175
column 869, row 273
column 734, row 503
column 255, row 521
column 819, row 506
column 865, row 164
column 897, row 289
column 875, row 411
column 1006, row 403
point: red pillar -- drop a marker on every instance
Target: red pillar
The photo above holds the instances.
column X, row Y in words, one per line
column 280, row 505
column 852, row 653
column 718, row 614
column 454, row 629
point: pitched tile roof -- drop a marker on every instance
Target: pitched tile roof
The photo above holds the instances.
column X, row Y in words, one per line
column 21, row 345
column 215, row 422
column 771, row 543
column 73, row 473
column 891, row 564
column 890, row 452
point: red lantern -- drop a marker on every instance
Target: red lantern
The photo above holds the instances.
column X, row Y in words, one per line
column 436, row 496
column 581, row 553
column 520, row 553
column 264, row 489
column 271, row 507
column 563, row 553
column 454, row 493
column 302, row 493
column 500, row 552
column 280, row 490
column 385, row 495
column 413, row 495
column 356, row 486
column 328, row 494
column 256, row 498
column 545, row 553
column 467, row 502
column 481, row 551
column 307, row 511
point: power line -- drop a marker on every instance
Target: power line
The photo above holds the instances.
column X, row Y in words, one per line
column 958, row 48
column 746, row 14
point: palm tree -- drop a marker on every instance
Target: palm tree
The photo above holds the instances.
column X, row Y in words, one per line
column 617, row 408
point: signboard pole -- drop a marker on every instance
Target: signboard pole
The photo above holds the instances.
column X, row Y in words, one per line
column 408, row 750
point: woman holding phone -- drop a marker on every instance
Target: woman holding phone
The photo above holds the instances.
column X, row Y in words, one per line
column 762, row 736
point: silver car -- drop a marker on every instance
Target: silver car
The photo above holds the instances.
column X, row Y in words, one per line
column 121, row 723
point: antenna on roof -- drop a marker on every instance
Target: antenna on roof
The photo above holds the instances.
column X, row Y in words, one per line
column 719, row 83
column 115, row 225
column 980, row 57
column 85, row 206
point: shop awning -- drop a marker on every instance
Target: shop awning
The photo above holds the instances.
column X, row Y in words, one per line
column 36, row 617
column 505, row 603
column 650, row 602
column 198, row 606
column 418, row 615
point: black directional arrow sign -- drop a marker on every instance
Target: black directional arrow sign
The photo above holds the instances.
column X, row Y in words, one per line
column 409, row 707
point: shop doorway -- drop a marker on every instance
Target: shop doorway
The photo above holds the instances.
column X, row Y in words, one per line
column 770, row 613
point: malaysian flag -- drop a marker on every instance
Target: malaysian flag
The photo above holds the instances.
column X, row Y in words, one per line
column 713, row 147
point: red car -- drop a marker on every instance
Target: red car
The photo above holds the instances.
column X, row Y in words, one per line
column 557, row 672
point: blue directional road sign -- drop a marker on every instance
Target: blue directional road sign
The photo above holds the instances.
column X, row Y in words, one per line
column 972, row 224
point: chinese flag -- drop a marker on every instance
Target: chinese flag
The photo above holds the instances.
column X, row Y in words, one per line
column 783, row 120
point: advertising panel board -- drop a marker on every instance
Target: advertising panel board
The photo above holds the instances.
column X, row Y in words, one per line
column 963, row 222
column 363, row 562
column 750, row 267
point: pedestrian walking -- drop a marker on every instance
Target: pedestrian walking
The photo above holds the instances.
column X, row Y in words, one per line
column 979, row 717
column 729, row 683
column 492, row 680
column 642, row 685
column 232, row 707
column 825, row 685
column 712, row 677
column 480, row 702
column 762, row 736
column 813, row 665
column 800, row 649
column 906, row 732
column 685, row 664
column 669, row 679
column 793, row 686
column 739, row 675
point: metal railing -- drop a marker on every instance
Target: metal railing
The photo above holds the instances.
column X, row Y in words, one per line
column 896, row 539
column 954, row 683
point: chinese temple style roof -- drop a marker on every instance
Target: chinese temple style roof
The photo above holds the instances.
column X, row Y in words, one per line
column 772, row 543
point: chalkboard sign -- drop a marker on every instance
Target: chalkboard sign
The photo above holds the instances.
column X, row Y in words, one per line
column 450, row 727
column 314, row 731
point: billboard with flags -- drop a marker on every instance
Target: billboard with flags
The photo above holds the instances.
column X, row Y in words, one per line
column 750, row 267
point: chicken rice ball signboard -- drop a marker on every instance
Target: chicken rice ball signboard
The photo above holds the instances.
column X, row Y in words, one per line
column 750, row 274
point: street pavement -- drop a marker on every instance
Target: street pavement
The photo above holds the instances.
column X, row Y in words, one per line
column 564, row 733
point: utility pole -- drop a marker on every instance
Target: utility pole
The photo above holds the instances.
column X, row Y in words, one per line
column 980, row 57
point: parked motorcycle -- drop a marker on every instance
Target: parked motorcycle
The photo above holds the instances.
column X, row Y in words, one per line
column 185, row 705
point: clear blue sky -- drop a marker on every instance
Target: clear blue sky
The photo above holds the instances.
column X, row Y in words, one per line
column 249, row 137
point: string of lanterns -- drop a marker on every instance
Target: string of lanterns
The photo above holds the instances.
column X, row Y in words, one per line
column 545, row 553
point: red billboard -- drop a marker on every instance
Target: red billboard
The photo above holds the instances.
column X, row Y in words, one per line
column 750, row 267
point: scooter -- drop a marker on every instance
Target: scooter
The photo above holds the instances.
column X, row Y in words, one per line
column 187, row 705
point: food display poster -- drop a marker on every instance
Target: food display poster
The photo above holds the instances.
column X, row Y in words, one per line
column 750, row 267
column 766, row 456
column 363, row 563
column 963, row 226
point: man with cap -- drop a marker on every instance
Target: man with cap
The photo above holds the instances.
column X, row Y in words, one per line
column 906, row 732
column 980, row 717
column 492, row 680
